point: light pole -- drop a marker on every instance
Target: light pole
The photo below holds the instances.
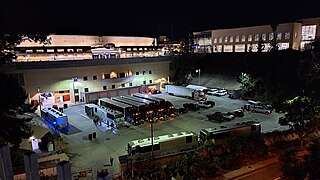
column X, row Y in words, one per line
column 198, row 71
column 152, row 138
column 74, row 92
column 39, row 98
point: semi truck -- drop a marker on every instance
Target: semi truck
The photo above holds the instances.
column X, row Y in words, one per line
column 56, row 118
column 185, row 92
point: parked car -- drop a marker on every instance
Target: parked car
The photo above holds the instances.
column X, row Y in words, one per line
column 181, row 110
column 191, row 106
column 260, row 109
column 238, row 113
column 220, row 116
column 211, row 91
column 221, row 92
column 206, row 104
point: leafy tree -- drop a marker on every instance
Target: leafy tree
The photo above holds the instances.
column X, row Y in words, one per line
column 312, row 160
column 261, row 46
column 14, row 125
column 292, row 167
column 247, row 82
column 9, row 41
column 273, row 43
column 299, row 117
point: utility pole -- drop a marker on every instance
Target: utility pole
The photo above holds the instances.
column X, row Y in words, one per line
column 39, row 99
column 152, row 139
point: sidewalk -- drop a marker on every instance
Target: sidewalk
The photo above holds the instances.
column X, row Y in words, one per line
column 250, row 168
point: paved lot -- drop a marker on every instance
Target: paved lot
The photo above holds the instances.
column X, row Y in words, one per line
column 94, row 154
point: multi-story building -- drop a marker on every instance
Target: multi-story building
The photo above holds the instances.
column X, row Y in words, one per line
column 294, row 35
column 77, row 47
column 70, row 81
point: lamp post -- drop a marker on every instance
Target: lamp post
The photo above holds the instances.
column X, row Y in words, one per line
column 74, row 92
column 152, row 139
column 39, row 98
column 198, row 71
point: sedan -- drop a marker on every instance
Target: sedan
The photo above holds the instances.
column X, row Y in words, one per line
column 221, row 92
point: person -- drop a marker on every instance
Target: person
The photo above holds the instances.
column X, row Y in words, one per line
column 111, row 161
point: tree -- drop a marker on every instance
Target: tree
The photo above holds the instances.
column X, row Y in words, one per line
column 292, row 167
column 261, row 46
column 273, row 43
column 9, row 41
column 247, row 82
column 299, row 117
column 14, row 124
column 312, row 160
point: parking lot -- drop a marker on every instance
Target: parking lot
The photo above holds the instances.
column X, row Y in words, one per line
column 94, row 154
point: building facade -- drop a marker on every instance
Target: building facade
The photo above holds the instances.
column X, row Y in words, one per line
column 78, row 47
column 69, row 81
column 295, row 35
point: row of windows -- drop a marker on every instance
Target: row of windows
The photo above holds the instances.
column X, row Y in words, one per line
column 54, row 50
column 113, row 87
column 108, row 76
column 250, row 37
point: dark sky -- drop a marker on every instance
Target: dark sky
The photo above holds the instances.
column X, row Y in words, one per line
column 147, row 18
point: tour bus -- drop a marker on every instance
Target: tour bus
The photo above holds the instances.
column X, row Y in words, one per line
column 145, row 111
column 104, row 114
column 131, row 114
column 56, row 118
column 162, row 145
column 240, row 129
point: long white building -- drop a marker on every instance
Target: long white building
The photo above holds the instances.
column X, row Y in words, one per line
column 294, row 35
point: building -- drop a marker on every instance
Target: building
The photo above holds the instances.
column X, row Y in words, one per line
column 79, row 47
column 294, row 35
column 70, row 81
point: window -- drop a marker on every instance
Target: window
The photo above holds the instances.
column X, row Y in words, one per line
column 106, row 76
column 309, row 32
column 250, row 38
column 76, row 90
column 94, row 77
column 113, row 86
column 144, row 82
column 226, row 39
column 270, row 36
column 69, row 50
column 86, row 89
column 264, row 36
column 137, row 73
column 79, row 50
column 143, row 72
column 122, row 85
column 130, row 84
column 39, row 50
column 220, row 39
column 243, row 38
column 214, row 40
column 287, row 35
column 150, row 81
column 50, row 50
column 256, row 37
column 60, row 50
column 104, row 87
column 150, row 72
column 231, row 39
column 279, row 36
column 85, row 78
column 122, row 75
column 237, row 38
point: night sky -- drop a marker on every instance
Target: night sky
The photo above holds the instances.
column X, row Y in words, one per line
column 146, row 18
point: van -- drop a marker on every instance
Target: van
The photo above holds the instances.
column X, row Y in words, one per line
column 260, row 109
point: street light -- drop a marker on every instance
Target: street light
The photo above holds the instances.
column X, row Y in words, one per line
column 74, row 92
column 198, row 71
column 39, row 98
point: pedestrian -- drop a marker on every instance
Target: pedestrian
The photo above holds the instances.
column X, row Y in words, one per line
column 111, row 161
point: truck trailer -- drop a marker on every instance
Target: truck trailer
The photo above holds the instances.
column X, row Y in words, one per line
column 185, row 92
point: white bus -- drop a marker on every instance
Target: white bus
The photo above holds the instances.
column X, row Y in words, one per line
column 56, row 118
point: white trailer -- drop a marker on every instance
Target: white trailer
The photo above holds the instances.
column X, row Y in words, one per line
column 185, row 92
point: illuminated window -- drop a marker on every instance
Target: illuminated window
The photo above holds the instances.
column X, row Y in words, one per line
column 237, row 38
column 227, row 48
column 60, row 50
column 250, row 38
column 308, row 32
column 214, row 40
column 29, row 51
column 264, row 36
column 69, row 50
column 135, row 49
column 50, row 50
column 39, row 50
column 128, row 49
column 256, row 37
column 287, row 35
column 226, row 39
column 279, row 36
column 270, row 36
column 243, row 38
column 231, row 39
column 79, row 50
column 220, row 39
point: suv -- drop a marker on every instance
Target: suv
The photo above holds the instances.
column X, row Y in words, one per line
column 237, row 113
column 206, row 104
column 220, row 117
column 191, row 106
column 260, row 109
